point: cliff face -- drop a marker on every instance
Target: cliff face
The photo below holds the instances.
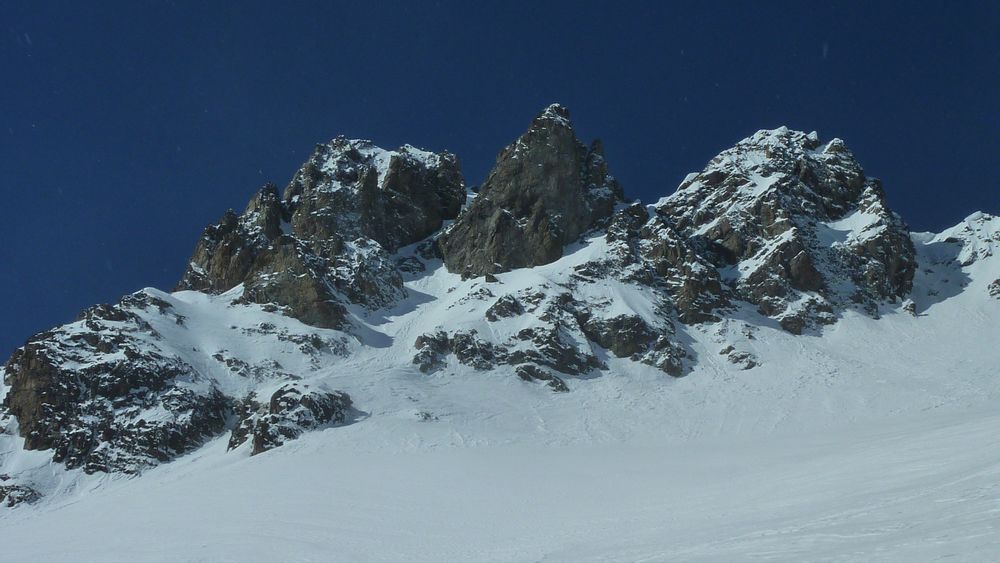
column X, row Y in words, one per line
column 546, row 190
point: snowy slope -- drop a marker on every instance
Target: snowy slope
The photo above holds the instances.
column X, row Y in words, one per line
column 874, row 440
column 911, row 490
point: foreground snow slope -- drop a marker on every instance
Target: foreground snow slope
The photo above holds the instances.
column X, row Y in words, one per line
column 919, row 488
column 872, row 439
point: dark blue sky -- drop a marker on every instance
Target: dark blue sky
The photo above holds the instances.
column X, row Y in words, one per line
column 127, row 127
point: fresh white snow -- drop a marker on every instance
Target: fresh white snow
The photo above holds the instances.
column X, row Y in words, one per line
column 874, row 441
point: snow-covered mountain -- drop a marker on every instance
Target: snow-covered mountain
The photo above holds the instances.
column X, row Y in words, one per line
column 376, row 308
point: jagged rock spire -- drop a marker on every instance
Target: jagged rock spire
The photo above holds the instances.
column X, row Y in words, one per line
column 546, row 189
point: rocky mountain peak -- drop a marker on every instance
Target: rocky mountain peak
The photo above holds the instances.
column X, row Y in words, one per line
column 829, row 167
column 546, row 189
column 555, row 115
column 555, row 110
column 333, row 280
column 554, row 119
column 795, row 226
column 327, row 241
column 351, row 188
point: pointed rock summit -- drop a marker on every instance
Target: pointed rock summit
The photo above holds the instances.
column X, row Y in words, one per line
column 546, row 189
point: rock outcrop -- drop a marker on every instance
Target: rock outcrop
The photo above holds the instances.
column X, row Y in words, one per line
column 553, row 338
column 795, row 227
column 293, row 409
column 645, row 249
column 629, row 336
column 12, row 495
column 131, row 385
column 561, row 334
column 327, row 241
column 546, row 190
column 979, row 237
column 352, row 189
column 103, row 395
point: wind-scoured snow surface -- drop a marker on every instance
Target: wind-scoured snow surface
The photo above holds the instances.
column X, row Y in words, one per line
column 874, row 439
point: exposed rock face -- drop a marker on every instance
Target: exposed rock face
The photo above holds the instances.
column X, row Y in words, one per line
column 646, row 250
column 122, row 389
column 555, row 342
column 293, row 409
column 795, row 226
column 544, row 192
column 433, row 348
column 560, row 335
column 104, row 396
column 12, row 495
column 352, row 189
column 531, row 372
column 741, row 358
column 226, row 253
column 629, row 336
column 327, row 240
column 506, row 307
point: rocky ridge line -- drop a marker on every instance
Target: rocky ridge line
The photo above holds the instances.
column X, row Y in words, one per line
column 780, row 225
